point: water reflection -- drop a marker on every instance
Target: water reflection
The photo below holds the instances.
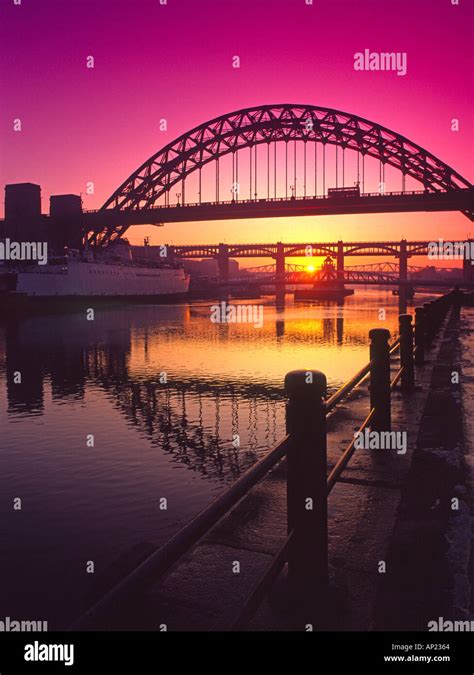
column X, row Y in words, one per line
column 203, row 423
column 179, row 407
column 126, row 348
column 200, row 391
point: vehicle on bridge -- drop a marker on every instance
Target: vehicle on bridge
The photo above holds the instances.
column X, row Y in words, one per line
column 344, row 191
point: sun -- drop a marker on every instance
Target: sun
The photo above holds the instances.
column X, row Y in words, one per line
column 310, row 268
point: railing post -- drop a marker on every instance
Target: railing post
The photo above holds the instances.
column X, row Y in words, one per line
column 307, row 484
column 427, row 306
column 406, row 352
column 380, row 379
column 437, row 306
column 456, row 302
column 419, row 336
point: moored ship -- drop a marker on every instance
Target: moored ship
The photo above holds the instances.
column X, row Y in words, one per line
column 112, row 274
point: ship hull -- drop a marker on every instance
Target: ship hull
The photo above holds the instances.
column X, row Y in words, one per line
column 81, row 300
column 19, row 304
column 85, row 281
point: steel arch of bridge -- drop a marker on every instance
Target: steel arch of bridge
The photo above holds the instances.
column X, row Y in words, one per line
column 361, row 249
column 245, row 250
column 250, row 127
column 317, row 250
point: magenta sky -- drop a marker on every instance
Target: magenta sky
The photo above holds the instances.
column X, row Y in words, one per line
column 175, row 62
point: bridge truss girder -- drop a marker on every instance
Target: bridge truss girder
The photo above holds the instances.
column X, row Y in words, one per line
column 267, row 124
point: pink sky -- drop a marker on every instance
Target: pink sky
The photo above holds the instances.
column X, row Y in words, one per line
column 174, row 61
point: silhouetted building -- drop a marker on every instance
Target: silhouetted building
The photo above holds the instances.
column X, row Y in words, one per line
column 209, row 268
column 66, row 219
column 23, row 221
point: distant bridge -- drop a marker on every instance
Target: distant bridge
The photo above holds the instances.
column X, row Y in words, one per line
column 302, row 249
column 401, row 250
column 392, row 268
column 383, row 272
column 299, row 274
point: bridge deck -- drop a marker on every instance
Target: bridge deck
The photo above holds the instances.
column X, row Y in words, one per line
column 456, row 200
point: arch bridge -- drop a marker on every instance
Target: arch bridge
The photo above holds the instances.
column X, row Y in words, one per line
column 401, row 250
column 280, row 161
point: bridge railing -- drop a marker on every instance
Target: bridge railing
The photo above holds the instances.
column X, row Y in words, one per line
column 308, row 481
column 283, row 199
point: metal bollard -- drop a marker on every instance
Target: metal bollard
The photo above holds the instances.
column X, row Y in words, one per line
column 307, row 483
column 456, row 302
column 406, row 353
column 427, row 306
column 380, row 379
column 420, row 336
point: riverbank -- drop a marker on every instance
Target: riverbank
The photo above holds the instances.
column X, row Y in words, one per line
column 374, row 570
column 431, row 554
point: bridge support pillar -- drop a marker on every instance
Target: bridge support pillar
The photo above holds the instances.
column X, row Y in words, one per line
column 467, row 266
column 340, row 260
column 280, row 263
column 403, row 261
column 403, row 276
column 223, row 262
column 280, row 275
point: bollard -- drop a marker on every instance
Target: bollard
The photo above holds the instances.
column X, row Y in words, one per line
column 380, row 379
column 307, row 484
column 419, row 336
column 428, row 323
column 456, row 302
column 437, row 314
column 406, row 352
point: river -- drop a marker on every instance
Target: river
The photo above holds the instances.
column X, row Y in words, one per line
column 124, row 427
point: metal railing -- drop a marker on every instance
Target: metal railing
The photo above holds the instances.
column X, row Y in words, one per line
column 306, row 547
column 167, row 555
column 308, row 483
column 280, row 199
